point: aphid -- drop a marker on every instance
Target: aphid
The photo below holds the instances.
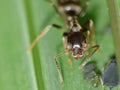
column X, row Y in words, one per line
column 92, row 74
column 110, row 75
column 77, row 38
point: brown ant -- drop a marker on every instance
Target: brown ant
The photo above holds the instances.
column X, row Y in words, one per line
column 76, row 40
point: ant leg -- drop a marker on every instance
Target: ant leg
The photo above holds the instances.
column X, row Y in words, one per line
column 91, row 27
column 55, row 7
column 96, row 47
column 88, row 40
column 45, row 31
column 65, row 35
column 82, row 13
column 92, row 36
column 58, row 67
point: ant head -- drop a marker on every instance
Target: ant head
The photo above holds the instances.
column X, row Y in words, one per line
column 77, row 41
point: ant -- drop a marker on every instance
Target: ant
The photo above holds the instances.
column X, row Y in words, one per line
column 77, row 40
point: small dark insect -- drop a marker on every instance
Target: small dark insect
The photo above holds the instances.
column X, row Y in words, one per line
column 110, row 75
column 92, row 74
column 76, row 39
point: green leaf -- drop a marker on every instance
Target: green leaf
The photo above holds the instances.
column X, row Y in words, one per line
column 20, row 22
column 16, row 67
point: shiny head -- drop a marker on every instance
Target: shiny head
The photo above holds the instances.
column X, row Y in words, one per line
column 77, row 43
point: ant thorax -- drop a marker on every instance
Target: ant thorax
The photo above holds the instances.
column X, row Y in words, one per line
column 74, row 26
column 69, row 7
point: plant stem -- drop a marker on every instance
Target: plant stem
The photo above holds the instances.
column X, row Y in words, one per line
column 115, row 24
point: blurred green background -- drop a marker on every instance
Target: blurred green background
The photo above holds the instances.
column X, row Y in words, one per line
column 20, row 22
